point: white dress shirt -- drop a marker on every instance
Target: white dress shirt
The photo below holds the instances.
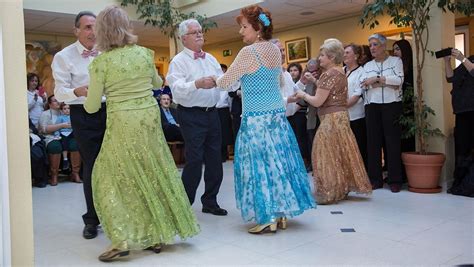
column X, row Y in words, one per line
column 392, row 69
column 35, row 107
column 182, row 73
column 70, row 70
column 357, row 111
column 224, row 100
column 288, row 88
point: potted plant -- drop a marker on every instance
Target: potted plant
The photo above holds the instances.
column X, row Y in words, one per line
column 162, row 14
column 423, row 168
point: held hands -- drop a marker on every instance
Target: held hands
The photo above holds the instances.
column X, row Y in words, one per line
column 299, row 94
column 206, row 82
column 81, row 91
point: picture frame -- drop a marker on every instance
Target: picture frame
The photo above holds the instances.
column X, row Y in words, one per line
column 297, row 50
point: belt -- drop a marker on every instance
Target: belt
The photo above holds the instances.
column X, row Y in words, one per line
column 82, row 105
column 205, row 109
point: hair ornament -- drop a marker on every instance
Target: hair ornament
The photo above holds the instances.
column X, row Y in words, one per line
column 264, row 19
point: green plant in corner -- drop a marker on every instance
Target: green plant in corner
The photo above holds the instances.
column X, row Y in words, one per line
column 414, row 14
column 162, row 14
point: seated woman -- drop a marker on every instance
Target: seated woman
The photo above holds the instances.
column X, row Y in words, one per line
column 48, row 127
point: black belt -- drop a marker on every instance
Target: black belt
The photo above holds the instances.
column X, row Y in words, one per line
column 82, row 105
column 205, row 109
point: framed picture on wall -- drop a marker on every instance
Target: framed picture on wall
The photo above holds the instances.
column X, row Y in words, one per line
column 297, row 50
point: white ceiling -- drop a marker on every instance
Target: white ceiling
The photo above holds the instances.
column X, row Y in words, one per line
column 286, row 15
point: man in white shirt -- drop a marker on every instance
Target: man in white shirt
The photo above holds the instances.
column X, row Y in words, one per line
column 71, row 75
column 190, row 71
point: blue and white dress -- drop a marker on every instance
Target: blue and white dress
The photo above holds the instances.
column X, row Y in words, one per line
column 270, row 176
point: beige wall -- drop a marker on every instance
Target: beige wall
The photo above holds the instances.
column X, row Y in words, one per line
column 21, row 221
column 347, row 30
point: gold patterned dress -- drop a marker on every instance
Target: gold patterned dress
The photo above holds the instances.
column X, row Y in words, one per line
column 337, row 164
column 137, row 190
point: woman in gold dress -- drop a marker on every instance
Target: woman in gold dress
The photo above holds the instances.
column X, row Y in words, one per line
column 337, row 164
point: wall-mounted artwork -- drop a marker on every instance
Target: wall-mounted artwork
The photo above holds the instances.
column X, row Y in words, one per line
column 39, row 56
column 297, row 50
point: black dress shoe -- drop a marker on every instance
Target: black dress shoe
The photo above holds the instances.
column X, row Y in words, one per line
column 395, row 188
column 376, row 186
column 216, row 211
column 90, row 231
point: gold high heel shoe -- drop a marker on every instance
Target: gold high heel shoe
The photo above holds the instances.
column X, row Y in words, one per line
column 282, row 223
column 263, row 228
column 113, row 254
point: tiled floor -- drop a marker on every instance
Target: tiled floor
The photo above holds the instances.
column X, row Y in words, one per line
column 390, row 229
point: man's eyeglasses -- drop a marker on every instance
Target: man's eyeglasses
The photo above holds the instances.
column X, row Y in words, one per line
column 194, row 33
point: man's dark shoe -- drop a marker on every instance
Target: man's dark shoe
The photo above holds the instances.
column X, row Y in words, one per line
column 216, row 211
column 90, row 231
column 376, row 186
column 395, row 188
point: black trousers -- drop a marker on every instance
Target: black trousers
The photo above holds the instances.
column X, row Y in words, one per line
column 236, row 120
column 89, row 131
column 173, row 133
column 463, row 134
column 201, row 131
column 382, row 126
column 298, row 124
column 359, row 128
column 226, row 130
column 39, row 163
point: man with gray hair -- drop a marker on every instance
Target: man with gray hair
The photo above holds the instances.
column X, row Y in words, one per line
column 191, row 71
column 71, row 76
column 382, row 81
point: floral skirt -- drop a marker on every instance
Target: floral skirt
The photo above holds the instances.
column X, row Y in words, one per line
column 338, row 167
column 137, row 190
column 270, row 177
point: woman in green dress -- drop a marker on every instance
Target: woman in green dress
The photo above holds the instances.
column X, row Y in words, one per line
column 138, row 193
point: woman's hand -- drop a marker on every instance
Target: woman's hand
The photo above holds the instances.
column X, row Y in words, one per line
column 457, row 54
column 368, row 82
column 66, row 125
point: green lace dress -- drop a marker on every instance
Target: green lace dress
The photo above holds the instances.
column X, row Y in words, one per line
column 137, row 190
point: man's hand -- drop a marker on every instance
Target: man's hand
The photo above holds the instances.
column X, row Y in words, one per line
column 205, row 83
column 310, row 77
column 299, row 94
column 81, row 91
column 65, row 125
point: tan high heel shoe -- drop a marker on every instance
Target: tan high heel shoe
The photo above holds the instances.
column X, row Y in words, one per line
column 263, row 228
column 113, row 254
column 282, row 223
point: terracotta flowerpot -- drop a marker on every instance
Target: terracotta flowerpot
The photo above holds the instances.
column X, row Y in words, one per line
column 423, row 171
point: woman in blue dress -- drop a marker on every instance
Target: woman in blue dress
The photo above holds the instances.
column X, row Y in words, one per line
column 271, row 182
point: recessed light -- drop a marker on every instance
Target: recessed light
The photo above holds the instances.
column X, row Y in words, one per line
column 306, row 13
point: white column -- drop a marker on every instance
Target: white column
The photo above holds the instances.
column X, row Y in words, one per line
column 437, row 90
column 14, row 139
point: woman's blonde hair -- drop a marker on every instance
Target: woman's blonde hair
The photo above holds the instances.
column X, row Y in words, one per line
column 113, row 29
column 333, row 49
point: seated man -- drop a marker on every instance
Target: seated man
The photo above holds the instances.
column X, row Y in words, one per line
column 170, row 127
